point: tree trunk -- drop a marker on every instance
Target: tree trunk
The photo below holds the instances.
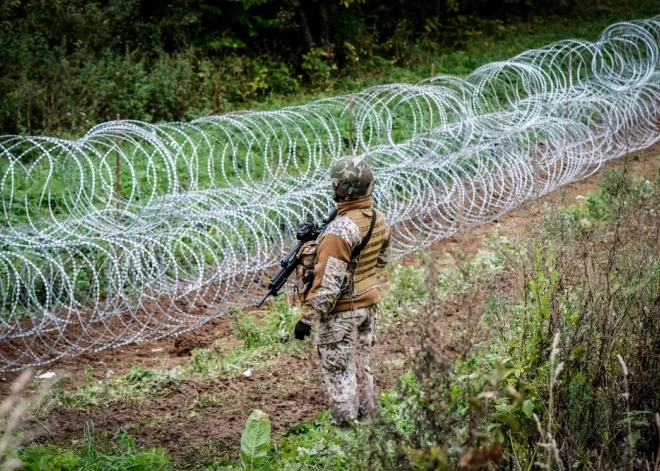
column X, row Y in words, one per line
column 304, row 25
column 325, row 33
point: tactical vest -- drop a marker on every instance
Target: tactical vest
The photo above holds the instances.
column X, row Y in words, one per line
column 361, row 275
column 362, row 269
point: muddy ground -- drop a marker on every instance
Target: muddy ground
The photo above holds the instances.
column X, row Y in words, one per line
column 291, row 391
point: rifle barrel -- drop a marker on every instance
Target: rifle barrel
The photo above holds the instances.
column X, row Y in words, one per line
column 263, row 300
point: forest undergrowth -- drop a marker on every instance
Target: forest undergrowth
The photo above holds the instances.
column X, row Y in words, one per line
column 71, row 64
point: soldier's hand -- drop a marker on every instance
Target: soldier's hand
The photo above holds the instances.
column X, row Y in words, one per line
column 302, row 330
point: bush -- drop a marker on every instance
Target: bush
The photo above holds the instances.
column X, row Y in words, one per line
column 55, row 93
column 573, row 365
column 69, row 64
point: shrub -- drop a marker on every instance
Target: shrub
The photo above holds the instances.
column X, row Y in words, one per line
column 69, row 64
column 573, row 363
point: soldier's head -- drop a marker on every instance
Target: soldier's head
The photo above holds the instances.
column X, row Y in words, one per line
column 351, row 178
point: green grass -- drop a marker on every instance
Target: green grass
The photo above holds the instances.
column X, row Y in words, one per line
column 118, row 454
column 262, row 341
column 408, row 286
column 139, row 382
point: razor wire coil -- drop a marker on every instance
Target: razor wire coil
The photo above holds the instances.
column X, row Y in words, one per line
column 139, row 231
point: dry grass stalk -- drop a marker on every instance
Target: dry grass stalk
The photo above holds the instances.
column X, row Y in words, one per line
column 626, row 396
column 657, row 457
column 13, row 409
column 550, row 445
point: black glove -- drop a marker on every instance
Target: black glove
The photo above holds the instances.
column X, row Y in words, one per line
column 302, row 330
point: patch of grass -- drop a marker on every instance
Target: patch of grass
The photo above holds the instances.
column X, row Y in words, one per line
column 614, row 189
column 409, row 286
column 205, row 401
column 139, row 382
column 156, row 422
column 263, row 340
column 405, row 291
column 119, row 454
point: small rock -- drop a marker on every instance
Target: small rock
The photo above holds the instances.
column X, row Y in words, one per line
column 48, row 375
column 248, row 373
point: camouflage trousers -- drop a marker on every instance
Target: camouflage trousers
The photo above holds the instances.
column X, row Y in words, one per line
column 345, row 342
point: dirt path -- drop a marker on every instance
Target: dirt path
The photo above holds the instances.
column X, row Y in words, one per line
column 291, row 391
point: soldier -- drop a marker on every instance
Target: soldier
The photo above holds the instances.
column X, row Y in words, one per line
column 343, row 296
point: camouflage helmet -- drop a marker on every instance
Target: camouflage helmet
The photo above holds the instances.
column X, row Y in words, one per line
column 352, row 178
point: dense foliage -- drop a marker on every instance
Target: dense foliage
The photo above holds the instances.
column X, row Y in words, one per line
column 569, row 376
column 69, row 64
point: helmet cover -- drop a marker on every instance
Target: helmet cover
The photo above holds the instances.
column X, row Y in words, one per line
column 352, row 178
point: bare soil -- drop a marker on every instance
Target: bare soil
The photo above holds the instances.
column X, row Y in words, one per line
column 292, row 390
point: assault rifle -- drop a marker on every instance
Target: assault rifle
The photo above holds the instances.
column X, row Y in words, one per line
column 308, row 231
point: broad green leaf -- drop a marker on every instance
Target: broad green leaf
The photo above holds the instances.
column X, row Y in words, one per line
column 508, row 408
column 507, row 419
column 500, row 370
column 256, row 438
column 528, row 408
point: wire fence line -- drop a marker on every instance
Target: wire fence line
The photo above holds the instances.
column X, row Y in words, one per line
column 138, row 231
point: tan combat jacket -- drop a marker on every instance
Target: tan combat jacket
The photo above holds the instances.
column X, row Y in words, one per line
column 341, row 284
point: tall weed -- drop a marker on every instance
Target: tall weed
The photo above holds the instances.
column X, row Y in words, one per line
column 568, row 375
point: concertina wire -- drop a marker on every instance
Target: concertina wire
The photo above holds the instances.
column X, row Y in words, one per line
column 140, row 231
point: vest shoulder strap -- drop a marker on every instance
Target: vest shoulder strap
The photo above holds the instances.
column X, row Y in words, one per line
column 356, row 251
